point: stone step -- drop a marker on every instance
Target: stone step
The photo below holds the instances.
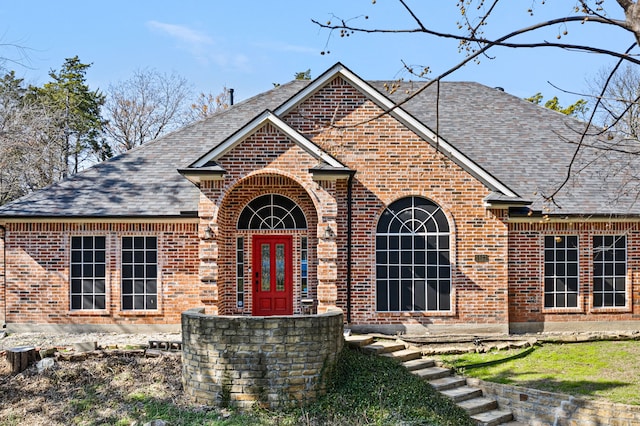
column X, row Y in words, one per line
column 383, row 347
column 432, row 373
column 495, row 417
column 404, row 355
column 478, row 405
column 449, row 382
column 462, row 393
column 418, row 364
column 358, row 340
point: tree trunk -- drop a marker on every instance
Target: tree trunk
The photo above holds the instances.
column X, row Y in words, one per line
column 21, row 357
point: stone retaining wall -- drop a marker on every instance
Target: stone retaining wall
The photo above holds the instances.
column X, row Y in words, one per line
column 537, row 408
column 271, row 361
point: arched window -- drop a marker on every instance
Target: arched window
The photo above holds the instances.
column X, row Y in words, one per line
column 413, row 268
column 272, row 211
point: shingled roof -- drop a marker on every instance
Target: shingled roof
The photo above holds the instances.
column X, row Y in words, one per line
column 145, row 181
column 530, row 148
column 525, row 147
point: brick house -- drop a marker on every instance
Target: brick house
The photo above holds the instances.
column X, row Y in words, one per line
column 310, row 197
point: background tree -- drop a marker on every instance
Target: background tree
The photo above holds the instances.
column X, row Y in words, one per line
column 144, row 107
column 208, row 104
column 576, row 109
column 303, row 75
column 619, row 112
column 30, row 156
column 80, row 123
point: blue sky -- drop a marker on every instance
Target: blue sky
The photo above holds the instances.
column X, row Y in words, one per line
column 249, row 45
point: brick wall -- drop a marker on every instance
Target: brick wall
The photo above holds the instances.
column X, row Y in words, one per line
column 540, row 408
column 391, row 163
column 273, row 362
column 38, row 282
column 526, row 279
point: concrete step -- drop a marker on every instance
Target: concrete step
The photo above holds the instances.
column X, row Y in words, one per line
column 478, row 405
column 358, row 340
column 404, row 355
column 449, row 382
column 432, row 373
column 383, row 347
column 495, row 418
column 418, row 364
column 462, row 393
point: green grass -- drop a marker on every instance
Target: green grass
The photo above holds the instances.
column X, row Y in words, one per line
column 363, row 390
column 595, row 369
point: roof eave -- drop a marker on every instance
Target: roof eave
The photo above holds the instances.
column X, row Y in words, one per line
column 196, row 176
column 330, row 174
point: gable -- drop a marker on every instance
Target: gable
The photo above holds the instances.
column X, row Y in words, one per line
column 209, row 165
column 330, row 86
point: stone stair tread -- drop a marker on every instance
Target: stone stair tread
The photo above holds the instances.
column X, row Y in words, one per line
column 448, row 382
column 431, row 373
column 462, row 393
column 404, row 354
column 418, row 363
column 495, row 417
column 358, row 340
column 477, row 405
column 383, row 347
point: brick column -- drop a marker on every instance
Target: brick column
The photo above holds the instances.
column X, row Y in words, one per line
column 208, row 251
column 327, row 266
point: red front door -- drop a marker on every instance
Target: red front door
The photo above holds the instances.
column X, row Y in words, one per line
column 272, row 275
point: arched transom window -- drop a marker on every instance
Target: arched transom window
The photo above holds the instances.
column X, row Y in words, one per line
column 413, row 268
column 272, row 211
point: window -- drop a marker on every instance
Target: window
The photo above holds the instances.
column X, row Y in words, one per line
column 304, row 264
column 88, row 273
column 413, row 270
column 139, row 273
column 561, row 271
column 609, row 271
column 240, row 272
column 272, row 211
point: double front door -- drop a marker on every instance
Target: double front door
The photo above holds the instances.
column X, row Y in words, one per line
column 272, row 275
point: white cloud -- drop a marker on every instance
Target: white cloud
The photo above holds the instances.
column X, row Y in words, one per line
column 181, row 33
column 203, row 47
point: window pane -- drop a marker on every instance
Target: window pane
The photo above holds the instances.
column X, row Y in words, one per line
column 151, row 302
column 76, row 302
column 420, row 296
column 445, row 296
column 394, row 295
column 381, row 295
column 127, row 302
column 127, row 286
column 406, row 290
column 99, row 302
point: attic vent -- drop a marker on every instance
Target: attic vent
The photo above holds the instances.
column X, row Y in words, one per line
column 501, row 89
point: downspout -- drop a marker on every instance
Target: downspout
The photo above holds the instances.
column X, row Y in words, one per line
column 4, row 274
column 349, row 217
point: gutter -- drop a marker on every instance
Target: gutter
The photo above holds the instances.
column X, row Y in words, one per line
column 349, row 220
column 4, row 273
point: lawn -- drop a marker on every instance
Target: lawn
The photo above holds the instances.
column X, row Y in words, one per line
column 118, row 390
column 606, row 369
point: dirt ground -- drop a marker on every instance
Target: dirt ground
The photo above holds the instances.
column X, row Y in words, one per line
column 107, row 390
